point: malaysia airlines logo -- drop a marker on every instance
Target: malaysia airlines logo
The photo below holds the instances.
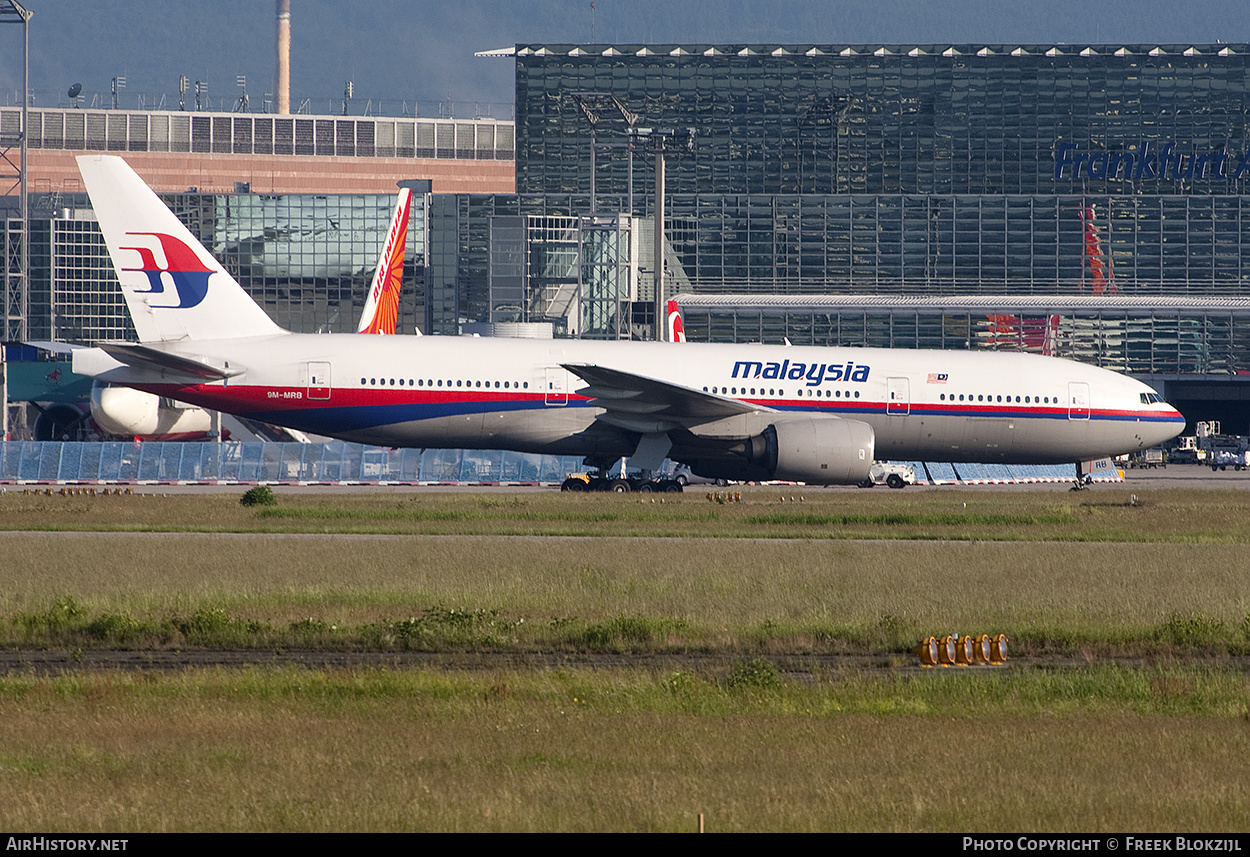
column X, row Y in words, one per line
column 185, row 270
column 811, row 374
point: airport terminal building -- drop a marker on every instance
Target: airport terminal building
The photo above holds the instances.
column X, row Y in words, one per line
column 1087, row 201
column 296, row 206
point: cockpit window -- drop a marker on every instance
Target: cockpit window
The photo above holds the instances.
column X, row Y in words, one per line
column 1151, row 399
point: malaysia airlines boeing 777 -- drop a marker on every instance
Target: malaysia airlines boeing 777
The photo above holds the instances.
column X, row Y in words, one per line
column 816, row 415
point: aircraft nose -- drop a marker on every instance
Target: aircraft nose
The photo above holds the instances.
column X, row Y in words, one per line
column 1171, row 422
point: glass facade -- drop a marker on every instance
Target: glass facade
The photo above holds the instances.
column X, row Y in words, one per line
column 938, row 244
column 917, row 170
column 890, row 244
column 308, row 260
column 897, row 119
column 606, row 281
column 458, row 278
column 574, row 273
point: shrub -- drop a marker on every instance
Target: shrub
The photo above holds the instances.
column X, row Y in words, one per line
column 114, row 628
column 64, row 615
column 442, row 626
column 261, row 495
column 1194, row 629
column 753, row 673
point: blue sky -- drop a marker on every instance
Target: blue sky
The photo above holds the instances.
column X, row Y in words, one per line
column 406, row 50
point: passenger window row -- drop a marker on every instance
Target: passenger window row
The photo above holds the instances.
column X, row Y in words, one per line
column 1028, row 400
column 433, row 383
column 770, row 391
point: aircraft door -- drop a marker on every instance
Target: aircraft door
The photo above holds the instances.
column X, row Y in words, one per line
column 555, row 392
column 897, row 396
column 318, row 375
column 1078, row 400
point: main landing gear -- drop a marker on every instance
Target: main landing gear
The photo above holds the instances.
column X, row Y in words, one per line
column 620, row 485
column 1083, row 480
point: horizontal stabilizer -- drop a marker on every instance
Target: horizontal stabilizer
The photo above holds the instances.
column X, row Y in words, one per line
column 143, row 357
column 54, row 347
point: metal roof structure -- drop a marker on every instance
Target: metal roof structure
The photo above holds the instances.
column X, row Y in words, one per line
column 812, row 50
column 938, row 303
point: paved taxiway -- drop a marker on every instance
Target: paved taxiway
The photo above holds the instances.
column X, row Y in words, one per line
column 1176, row 476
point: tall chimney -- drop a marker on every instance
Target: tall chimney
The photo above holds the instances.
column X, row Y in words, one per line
column 283, row 83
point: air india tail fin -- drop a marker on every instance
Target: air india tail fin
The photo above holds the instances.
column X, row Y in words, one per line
column 174, row 288
column 1102, row 278
column 676, row 330
column 382, row 305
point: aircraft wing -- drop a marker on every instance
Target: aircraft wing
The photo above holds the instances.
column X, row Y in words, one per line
column 647, row 405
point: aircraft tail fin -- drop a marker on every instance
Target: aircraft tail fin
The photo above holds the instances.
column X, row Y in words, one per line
column 676, row 330
column 173, row 286
column 1102, row 278
column 381, row 311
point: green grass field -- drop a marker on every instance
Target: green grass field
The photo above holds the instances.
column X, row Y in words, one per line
column 1087, row 750
column 1106, row 514
column 1128, row 624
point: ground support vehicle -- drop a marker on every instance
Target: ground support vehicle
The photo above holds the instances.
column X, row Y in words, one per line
column 683, row 474
column 1151, row 458
column 893, row 475
column 1186, row 451
column 1224, row 459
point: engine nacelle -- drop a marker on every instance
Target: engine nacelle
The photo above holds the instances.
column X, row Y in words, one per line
column 134, row 413
column 63, row 421
column 818, row 450
column 123, row 411
column 822, row 450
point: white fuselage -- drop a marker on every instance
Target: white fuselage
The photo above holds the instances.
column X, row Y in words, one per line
column 516, row 394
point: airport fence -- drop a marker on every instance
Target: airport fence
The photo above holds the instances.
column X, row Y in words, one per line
column 280, row 463
column 340, row 463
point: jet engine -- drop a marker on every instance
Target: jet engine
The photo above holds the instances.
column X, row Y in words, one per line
column 63, row 421
column 818, row 450
column 134, row 413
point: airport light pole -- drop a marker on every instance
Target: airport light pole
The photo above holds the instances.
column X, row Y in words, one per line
column 657, row 264
column 17, row 284
column 661, row 141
